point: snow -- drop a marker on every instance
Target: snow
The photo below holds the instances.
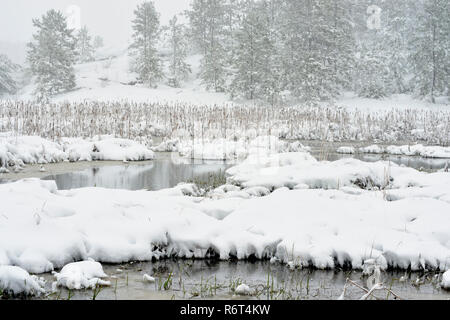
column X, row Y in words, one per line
column 404, row 150
column 148, row 278
column 446, row 280
column 81, row 275
column 346, row 150
column 289, row 206
column 239, row 149
column 20, row 150
column 15, row 280
column 243, row 290
column 351, row 101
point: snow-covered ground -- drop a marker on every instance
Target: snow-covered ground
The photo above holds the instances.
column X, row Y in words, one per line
column 290, row 206
column 109, row 79
column 17, row 151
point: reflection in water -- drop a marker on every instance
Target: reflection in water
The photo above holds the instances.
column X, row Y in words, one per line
column 159, row 174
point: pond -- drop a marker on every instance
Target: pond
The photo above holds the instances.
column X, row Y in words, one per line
column 166, row 171
column 156, row 175
column 205, row 279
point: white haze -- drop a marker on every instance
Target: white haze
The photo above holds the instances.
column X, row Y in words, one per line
column 108, row 19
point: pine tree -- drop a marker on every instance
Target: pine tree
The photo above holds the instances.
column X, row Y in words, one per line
column 256, row 74
column 372, row 76
column 207, row 21
column 98, row 42
column 7, row 82
column 51, row 55
column 146, row 62
column 430, row 50
column 178, row 68
column 317, row 48
column 85, row 48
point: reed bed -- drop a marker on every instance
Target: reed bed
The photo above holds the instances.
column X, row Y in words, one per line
column 142, row 121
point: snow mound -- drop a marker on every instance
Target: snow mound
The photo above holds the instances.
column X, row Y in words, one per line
column 21, row 150
column 302, row 171
column 243, row 290
column 239, row 149
column 289, row 206
column 446, row 280
column 167, row 146
column 81, row 275
column 148, row 278
column 15, row 280
column 346, row 150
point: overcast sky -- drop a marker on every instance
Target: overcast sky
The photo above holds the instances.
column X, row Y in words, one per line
column 110, row 19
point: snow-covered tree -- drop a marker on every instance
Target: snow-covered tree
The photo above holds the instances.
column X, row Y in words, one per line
column 207, row 22
column 372, row 76
column 430, row 49
column 85, row 47
column 145, row 60
column 178, row 68
column 256, row 61
column 7, row 82
column 317, row 46
column 51, row 55
column 98, row 42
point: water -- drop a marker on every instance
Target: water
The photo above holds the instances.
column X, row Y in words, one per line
column 159, row 174
column 204, row 279
column 168, row 171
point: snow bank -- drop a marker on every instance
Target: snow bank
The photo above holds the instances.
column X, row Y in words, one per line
column 243, row 290
column 21, row 150
column 446, row 280
column 301, row 170
column 289, row 206
column 81, row 275
column 239, row 149
column 406, row 150
column 16, row 281
column 346, row 150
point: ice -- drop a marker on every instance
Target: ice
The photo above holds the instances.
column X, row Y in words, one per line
column 81, row 275
column 15, row 280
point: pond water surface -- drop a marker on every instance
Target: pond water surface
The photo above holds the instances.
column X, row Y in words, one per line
column 168, row 170
column 204, row 279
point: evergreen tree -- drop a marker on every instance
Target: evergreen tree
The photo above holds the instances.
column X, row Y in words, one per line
column 84, row 46
column 430, row 50
column 207, row 21
column 372, row 76
column 98, row 42
column 317, row 48
column 146, row 62
column 255, row 63
column 51, row 55
column 7, row 82
column 178, row 68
